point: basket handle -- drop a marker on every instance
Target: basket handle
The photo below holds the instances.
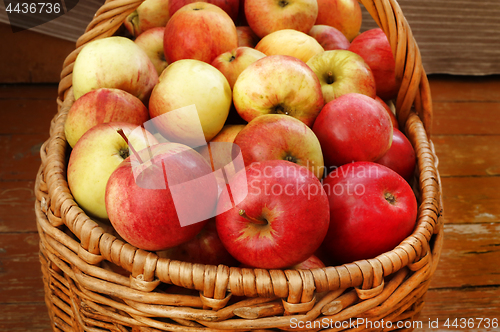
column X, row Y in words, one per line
column 414, row 90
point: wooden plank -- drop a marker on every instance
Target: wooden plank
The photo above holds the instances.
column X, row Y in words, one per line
column 466, row 88
column 20, row 271
column 17, row 207
column 32, row 57
column 471, row 199
column 466, row 118
column 441, row 304
column 468, row 155
column 31, row 91
column 469, row 256
column 20, row 156
column 23, row 317
column 27, row 116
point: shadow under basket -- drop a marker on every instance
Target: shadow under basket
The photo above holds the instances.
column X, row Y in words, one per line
column 96, row 282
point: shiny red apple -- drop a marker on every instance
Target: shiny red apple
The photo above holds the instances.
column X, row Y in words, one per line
column 400, row 157
column 372, row 210
column 282, row 219
column 353, row 127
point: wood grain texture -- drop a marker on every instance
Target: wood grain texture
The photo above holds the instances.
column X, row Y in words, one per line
column 471, row 199
column 17, row 196
column 468, row 155
column 20, row 156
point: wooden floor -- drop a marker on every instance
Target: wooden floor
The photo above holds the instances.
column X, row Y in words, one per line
column 466, row 133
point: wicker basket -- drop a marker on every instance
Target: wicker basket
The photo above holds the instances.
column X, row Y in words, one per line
column 79, row 259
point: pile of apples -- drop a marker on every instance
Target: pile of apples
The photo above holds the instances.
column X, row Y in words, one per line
column 249, row 133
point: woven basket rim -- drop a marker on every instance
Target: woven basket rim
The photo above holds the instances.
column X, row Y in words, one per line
column 414, row 109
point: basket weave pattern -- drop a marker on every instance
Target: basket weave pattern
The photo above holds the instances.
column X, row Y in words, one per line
column 80, row 259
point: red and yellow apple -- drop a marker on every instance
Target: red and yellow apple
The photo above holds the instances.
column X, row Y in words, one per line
column 278, row 84
column 280, row 137
column 190, row 103
column 150, row 14
column 265, row 16
column 199, row 31
column 341, row 72
column 95, row 157
column 232, row 63
column 246, row 37
column 329, row 38
column 345, row 15
column 290, row 42
column 151, row 41
column 114, row 62
column 101, row 106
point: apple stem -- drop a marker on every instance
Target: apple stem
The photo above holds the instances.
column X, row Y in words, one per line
column 254, row 220
column 122, row 134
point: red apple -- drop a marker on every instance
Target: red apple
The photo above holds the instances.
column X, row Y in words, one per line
column 374, row 48
column 329, row 37
column 101, row 106
column 394, row 121
column 281, row 221
column 204, row 248
column 280, row 137
column 232, row 63
column 246, row 37
column 199, row 31
column 290, row 42
column 150, row 204
column 400, row 157
column 353, row 127
column 312, row 262
column 278, row 84
column 341, row 72
column 372, row 210
column 150, row 14
column 151, row 41
column 231, row 7
column 345, row 15
column 265, row 16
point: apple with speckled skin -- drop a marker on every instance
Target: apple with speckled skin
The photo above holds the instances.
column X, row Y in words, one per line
column 94, row 158
column 199, row 31
column 278, row 84
column 232, row 63
column 144, row 202
column 280, row 137
column 341, row 72
column 265, row 17
column 351, row 128
column 114, row 62
column 282, row 220
column 290, row 42
column 101, row 106
column 329, row 37
column 345, row 15
column 151, row 41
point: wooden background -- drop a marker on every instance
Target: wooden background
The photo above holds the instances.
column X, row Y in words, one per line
column 466, row 133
